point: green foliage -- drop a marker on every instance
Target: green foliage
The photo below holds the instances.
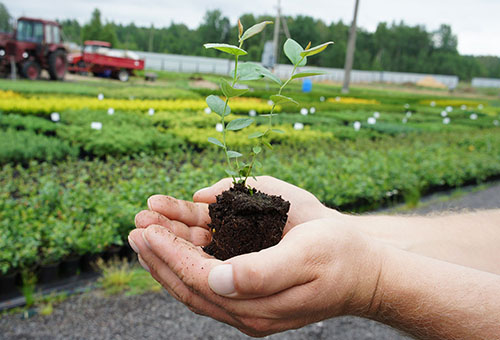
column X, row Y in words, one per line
column 85, row 206
column 238, row 124
column 229, row 91
column 5, row 19
column 37, row 125
column 28, row 287
column 110, row 90
column 84, row 201
column 231, row 49
column 115, row 275
column 118, row 139
column 33, row 138
column 315, row 50
column 95, row 30
column 118, row 276
column 293, row 51
column 252, row 71
column 255, row 29
column 280, row 99
column 218, row 106
column 23, row 146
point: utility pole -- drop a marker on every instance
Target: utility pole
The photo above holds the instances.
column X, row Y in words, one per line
column 351, row 46
column 276, row 36
column 285, row 28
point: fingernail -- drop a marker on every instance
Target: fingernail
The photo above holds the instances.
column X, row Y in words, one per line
column 143, row 264
column 149, row 203
column 133, row 245
column 220, row 280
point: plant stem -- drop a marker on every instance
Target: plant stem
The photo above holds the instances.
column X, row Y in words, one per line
column 223, row 123
column 291, row 75
column 224, row 135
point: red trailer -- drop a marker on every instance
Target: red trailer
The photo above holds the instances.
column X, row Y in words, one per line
column 98, row 58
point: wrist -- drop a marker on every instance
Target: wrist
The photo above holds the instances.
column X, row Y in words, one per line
column 365, row 268
column 368, row 299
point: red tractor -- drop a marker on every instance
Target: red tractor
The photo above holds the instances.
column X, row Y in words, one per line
column 34, row 46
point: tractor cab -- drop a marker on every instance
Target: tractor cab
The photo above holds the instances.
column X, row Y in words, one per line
column 35, row 45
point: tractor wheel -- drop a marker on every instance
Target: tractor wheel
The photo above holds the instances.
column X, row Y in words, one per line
column 30, row 70
column 57, row 65
column 123, row 75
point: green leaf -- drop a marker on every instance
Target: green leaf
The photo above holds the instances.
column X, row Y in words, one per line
column 267, row 145
column 256, row 134
column 231, row 173
column 278, row 131
column 315, row 49
column 239, row 123
column 233, row 154
column 293, row 51
column 231, row 49
column 252, row 71
column 230, row 91
column 258, row 164
column 243, row 172
column 268, row 74
column 255, row 29
column 307, row 74
column 256, row 149
column 278, row 98
column 215, row 141
column 217, row 105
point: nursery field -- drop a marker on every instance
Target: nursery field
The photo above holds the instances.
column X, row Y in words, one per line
column 79, row 159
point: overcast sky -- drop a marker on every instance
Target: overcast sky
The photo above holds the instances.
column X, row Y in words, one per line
column 475, row 22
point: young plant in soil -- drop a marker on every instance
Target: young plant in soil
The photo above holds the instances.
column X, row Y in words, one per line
column 245, row 220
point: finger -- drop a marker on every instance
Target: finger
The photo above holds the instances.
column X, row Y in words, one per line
column 191, row 264
column 207, row 195
column 162, row 273
column 192, row 214
column 196, row 235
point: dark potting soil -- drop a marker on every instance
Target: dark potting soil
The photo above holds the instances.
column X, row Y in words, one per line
column 245, row 221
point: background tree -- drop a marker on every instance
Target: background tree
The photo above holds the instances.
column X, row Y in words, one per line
column 5, row 19
column 392, row 47
column 214, row 27
column 95, row 30
column 72, row 31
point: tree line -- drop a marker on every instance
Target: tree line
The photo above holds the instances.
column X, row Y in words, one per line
column 392, row 47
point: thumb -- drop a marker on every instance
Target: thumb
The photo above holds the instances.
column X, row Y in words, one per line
column 260, row 274
column 207, row 195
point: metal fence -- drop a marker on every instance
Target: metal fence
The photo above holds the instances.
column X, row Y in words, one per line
column 192, row 64
column 485, row 82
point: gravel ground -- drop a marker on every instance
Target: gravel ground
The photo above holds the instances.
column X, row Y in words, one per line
column 159, row 316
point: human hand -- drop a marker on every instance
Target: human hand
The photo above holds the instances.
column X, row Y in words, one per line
column 320, row 269
column 179, row 216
